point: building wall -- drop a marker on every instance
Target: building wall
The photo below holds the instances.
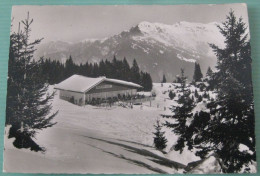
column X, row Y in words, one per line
column 102, row 90
column 69, row 95
column 107, row 89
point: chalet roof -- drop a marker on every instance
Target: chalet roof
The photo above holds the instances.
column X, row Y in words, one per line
column 78, row 83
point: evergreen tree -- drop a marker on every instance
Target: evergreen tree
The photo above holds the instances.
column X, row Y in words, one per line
column 95, row 71
column 182, row 114
column 160, row 141
column 197, row 76
column 209, row 72
column 135, row 76
column 28, row 103
column 164, row 79
column 102, row 68
column 69, row 67
column 126, row 69
column 116, row 69
column 196, row 93
column 146, row 81
column 230, row 122
column 210, row 79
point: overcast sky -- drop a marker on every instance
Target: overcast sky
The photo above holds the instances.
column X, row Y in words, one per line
column 76, row 23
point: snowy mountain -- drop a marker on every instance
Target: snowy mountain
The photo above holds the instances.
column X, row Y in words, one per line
column 158, row 48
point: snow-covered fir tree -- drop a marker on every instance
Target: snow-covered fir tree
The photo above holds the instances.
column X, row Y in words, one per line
column 182, row 114
column 160, row 140
column 228, row 128
column 28, row 103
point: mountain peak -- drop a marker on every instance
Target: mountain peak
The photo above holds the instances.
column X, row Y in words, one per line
column 158, row 47
column 148, row 27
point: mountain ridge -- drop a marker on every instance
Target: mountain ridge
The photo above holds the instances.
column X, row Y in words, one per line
column 158, row 48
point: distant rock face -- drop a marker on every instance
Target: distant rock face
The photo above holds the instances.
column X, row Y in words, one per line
column 158, row 48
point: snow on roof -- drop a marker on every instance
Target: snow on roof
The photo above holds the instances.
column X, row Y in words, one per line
column 78, row 83
column 123, row 82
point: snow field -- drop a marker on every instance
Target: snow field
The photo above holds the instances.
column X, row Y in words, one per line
column 111, row 140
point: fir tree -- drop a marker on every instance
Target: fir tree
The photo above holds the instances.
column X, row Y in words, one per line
column 116, row 69
column 69, row 67
column 210, row 79
column 182, row 113
column 230, row 122
column 197, row 76
column 146, row 81
column 135, row 76
column 209, row 72
column 28, row 103
column 126, row 69
column 196, row 93
column 160, row 141
column 164, row 79
column 95, row 71
column 102, row 68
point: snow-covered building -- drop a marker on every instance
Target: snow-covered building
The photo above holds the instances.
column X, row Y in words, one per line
column 81, row 90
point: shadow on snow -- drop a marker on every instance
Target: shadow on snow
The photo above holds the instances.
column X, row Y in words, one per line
column 150, row 156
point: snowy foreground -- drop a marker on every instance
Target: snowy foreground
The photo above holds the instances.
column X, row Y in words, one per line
column 106, row 140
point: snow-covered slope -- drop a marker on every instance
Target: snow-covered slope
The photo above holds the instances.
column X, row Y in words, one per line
column 111, row 140
column 101, row 140
column 158, row 48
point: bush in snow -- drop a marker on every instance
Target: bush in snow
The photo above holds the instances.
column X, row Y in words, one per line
column 153, row 93
column 201, row 87
column 172, row 95
column 205, row 95
column 199, row 99
column 160, row 141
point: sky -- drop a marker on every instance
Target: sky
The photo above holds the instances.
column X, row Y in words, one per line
column 77, row 23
